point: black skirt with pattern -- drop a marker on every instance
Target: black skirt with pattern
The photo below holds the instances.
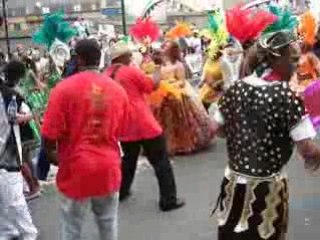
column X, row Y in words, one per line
column 257, row 210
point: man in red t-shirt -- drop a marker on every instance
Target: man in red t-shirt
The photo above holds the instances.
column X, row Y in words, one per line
column 86, row 115
column 144, row 130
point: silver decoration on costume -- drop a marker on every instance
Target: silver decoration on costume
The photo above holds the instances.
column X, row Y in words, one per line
column 60, row 53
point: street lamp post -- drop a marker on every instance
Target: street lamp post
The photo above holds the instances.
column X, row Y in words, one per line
column 5, row 19
column 124, row 20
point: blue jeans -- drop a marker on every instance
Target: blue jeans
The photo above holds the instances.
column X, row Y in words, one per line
column 73, row 212
column 43, row 166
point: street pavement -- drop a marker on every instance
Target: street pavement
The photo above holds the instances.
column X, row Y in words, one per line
column 198, row 179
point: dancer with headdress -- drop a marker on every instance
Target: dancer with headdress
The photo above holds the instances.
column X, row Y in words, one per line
column 145, row 32
column 286, row 21
column 262, row 120
column 54, row 34
column 185, row 122
column 212, row 80
column 180, row 32
column 309, row 65
column 247, row 25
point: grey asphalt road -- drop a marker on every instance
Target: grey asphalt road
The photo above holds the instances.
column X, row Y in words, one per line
column 198, row 179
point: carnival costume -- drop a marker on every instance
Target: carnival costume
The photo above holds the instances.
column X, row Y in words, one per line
column 262, row 118
column 145, row 32
column 54, row 32
column 212, row 87
column 186, row 124
column 246, row 25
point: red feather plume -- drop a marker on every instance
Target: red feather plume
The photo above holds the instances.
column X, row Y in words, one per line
column 247, row 24
column 145, row 29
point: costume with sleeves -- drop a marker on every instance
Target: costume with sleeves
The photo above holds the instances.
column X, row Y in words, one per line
column 185, row 122
column 261, row 121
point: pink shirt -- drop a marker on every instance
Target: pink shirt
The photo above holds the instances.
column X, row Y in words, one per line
column 143, row 124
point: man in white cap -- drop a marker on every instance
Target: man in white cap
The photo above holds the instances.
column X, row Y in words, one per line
column 144, row 131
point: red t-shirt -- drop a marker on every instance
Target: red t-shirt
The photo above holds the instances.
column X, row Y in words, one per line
column 86, row 115
column 143, row 123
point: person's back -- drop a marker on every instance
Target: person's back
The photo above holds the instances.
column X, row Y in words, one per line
column 263, row 120
column 86, row 115
column 144, row 131
column 133, row 80
column 259, row 119
column 137, row 85
column 92, row 111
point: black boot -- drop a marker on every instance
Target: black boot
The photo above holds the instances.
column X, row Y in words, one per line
column 167, row 207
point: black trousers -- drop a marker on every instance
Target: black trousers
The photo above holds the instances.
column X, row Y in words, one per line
column 157, row 154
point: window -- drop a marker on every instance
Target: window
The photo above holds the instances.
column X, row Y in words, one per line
column 45, row 10
column 77, row 8
column 17, row 27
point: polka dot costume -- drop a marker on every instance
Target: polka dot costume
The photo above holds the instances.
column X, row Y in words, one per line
column 258, row 120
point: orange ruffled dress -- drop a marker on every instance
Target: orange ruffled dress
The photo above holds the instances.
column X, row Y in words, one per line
column 185, row 122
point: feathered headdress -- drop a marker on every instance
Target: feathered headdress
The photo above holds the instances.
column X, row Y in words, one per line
column 145, row 30
column 308, row 28
column 54, row 28
column 180, row 30
column 247, row 24
column 216, row 32
column 286, row 20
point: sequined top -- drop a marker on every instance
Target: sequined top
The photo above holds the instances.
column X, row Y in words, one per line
column 257, row 123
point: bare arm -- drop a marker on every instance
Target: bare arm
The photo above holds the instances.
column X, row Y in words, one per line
column 310, row 152
column 157, row 76
column 24, row 115
column 218, row 124
column 180, row 74
column 50, row 148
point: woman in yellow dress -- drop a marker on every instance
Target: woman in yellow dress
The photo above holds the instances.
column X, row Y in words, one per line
column 212, row 83
column 185, row 122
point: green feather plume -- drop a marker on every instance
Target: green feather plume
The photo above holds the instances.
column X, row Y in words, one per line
column 286, row 20
column 54, row 27
column 213, row 23
column 216, row 32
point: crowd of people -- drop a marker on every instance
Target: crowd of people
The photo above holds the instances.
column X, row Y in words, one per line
column 92, row 107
